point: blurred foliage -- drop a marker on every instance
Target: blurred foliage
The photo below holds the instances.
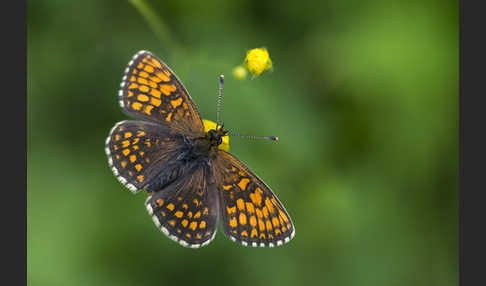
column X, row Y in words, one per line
column 363, row 97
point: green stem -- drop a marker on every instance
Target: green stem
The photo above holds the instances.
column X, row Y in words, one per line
column 155, row 22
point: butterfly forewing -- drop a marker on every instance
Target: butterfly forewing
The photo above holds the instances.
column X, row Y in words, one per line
column 150, row 90
column 187, row 210
column 138, row 150
column 251, row 213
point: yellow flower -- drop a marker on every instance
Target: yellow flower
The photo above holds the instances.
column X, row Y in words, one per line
column 208, row 125
column 257, row 61
column 239, row 72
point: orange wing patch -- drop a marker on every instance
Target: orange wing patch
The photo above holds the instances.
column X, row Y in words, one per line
column 150, row 90
column 130, row 147
column 252, row 214
column 190, row 217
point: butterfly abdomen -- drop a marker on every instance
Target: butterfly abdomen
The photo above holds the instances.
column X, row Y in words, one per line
column 166, row 176
column 192, row 153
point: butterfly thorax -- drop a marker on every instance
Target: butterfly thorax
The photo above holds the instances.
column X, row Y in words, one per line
column 205, row 146
column 215, row 137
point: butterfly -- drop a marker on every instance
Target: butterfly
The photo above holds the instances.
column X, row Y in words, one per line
column 190, row 180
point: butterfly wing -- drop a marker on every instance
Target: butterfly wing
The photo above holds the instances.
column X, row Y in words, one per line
column 151, row 91
column 187, row 210
column 140, row 151
column 251, row 212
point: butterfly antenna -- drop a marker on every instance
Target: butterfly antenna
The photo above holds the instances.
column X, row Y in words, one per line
column 272, row 138
column 220, row 97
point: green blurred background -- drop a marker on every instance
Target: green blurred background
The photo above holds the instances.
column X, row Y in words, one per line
column 364, row 98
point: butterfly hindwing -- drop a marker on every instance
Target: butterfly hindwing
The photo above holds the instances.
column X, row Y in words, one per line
column 252, row 214
column 187, row 210
column 151, row 91
column 138, row 150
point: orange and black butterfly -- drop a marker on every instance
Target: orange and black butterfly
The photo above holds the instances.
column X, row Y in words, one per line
column 190, row 182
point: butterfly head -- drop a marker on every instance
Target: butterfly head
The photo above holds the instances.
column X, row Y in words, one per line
column 215, row 136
